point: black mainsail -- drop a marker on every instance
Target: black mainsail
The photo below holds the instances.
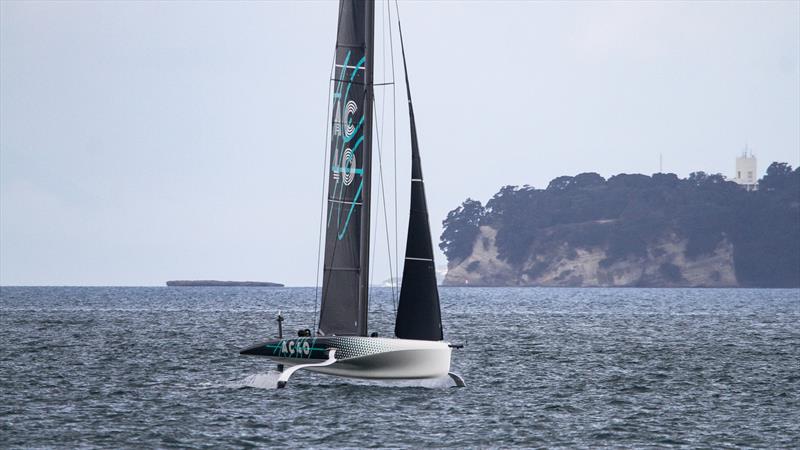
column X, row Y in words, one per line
column 345, row 283
column 418, row 312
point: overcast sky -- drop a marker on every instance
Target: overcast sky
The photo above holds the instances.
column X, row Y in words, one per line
column 146, row 141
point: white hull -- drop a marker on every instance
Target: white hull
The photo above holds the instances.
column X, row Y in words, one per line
column 363, row 357
column 430, row 360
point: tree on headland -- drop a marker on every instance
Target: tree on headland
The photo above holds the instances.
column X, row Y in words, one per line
column 703, row 179
column 460, row 230
column 780, row 177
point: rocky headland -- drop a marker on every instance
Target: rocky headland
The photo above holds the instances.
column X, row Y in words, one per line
column 630, row 230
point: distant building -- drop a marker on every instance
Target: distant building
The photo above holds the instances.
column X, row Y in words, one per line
column 747, row 171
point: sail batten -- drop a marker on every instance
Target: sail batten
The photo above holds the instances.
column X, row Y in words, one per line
column 418, row 311
column 345, row 267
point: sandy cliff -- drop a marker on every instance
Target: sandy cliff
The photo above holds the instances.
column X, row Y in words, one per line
column 561, row 264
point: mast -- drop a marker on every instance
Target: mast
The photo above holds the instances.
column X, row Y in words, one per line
column 345, row 282
column 418, row 312
column 363, row 293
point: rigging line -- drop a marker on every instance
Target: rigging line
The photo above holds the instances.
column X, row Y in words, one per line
column 385, row 217
column 377, row 204
column 372, row 259
column 386, row 26
column 394, row 152
column 375, row 247
column 380, row 179
column 378, row 138
column 382, row 182
column 383, row 68
column 323, row 202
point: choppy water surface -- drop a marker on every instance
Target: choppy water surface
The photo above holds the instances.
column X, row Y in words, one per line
column 158, row 367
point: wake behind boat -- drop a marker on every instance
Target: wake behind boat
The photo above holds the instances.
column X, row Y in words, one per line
column 341, row 346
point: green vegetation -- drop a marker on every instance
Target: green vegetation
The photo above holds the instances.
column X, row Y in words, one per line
column 627, row 213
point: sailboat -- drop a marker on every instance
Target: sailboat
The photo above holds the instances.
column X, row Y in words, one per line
column 341, row 345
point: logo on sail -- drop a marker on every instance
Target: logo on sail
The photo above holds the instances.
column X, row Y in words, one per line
column 348, row 167
column 345, row 192
column 345, row 162
column 350, row 109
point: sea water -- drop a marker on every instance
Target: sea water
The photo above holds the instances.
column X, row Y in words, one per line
column 159, row 367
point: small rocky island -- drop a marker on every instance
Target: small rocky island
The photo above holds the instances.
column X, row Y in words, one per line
column 216, row 283
column 630, row 230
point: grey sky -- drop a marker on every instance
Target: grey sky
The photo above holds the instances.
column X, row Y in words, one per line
column 146, row 141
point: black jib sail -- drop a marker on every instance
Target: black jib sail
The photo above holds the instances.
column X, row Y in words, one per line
column 345, row 272
column 418, row 312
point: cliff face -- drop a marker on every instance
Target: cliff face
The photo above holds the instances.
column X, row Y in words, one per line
column 554, row 263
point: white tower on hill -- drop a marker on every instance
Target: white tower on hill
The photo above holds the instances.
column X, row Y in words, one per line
column 747, row 170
